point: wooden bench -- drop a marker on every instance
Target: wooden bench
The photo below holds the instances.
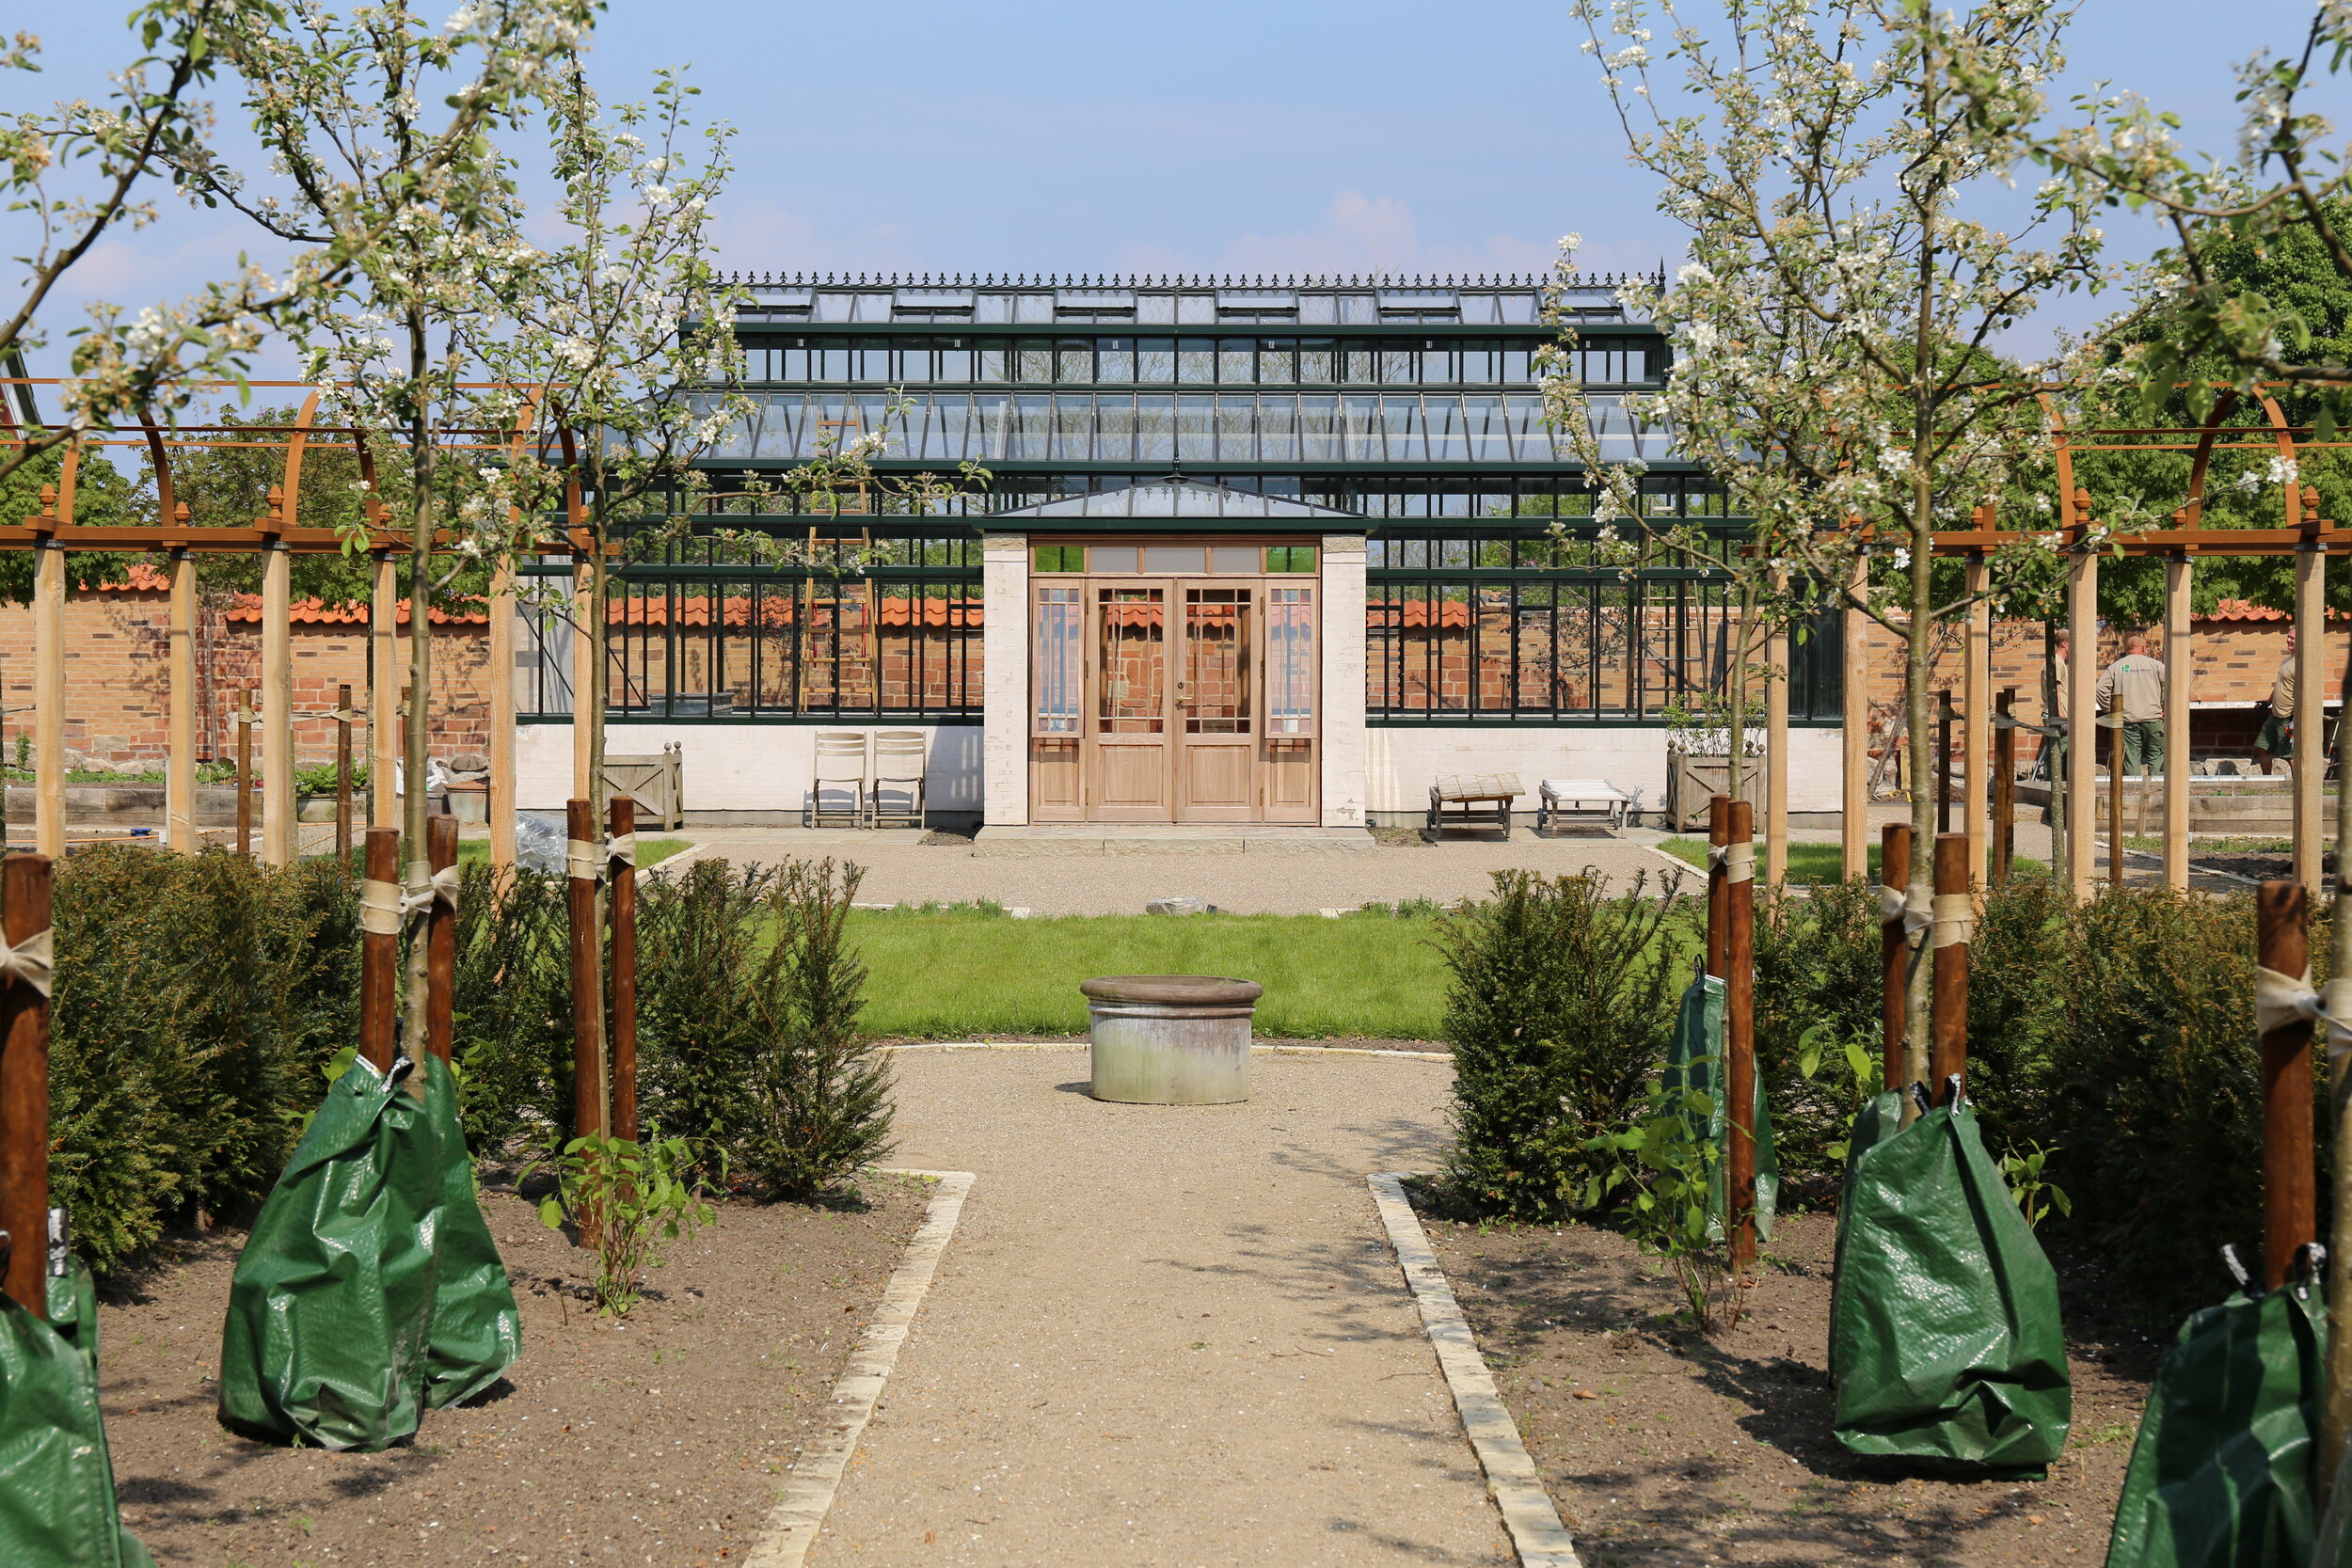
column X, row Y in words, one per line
column 1590, row 800
column 1482, row 800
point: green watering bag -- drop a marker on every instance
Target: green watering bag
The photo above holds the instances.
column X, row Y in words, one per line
column 1693, row 1060
column 2221, row 1474
column 476, row 1330
column 330, row 1310
column 56, row 1478
column 1944, row 1343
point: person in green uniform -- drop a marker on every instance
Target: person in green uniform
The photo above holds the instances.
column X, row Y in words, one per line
column 2132, row 687
column 2277, row 739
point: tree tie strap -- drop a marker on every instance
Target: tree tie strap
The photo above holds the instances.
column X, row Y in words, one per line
column 2283, row 999
column 1737, row 862
column 1955, row 919
column 30, row 960
column 380, row 908
column 429, row 888
column 2010, row 721
column 621, row 849
column 1895, row 904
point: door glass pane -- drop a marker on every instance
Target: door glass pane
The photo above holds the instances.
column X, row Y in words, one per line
column 1213, row 688
column 1060, row 650
column 1132, row 659
column 1290, row 656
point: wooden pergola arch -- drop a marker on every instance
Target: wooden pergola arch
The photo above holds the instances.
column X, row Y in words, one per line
column 2303, row 534
column 277, row 537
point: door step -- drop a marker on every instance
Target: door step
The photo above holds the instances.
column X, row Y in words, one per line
column 1117, row 838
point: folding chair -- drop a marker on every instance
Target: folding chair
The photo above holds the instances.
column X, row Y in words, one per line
column 899, row 758
column 841, row 763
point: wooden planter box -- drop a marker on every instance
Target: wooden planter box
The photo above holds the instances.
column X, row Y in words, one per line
column 1693, row 781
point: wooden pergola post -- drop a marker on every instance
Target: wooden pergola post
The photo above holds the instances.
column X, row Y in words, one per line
column 2311, row 708
column 502, row 802
column 1976, row 717
column 180, row 830
column 384, row 666
column 2082, row 730
column 1854, row 830
column 49, row 696
column 2180, row 675
column 278, row 747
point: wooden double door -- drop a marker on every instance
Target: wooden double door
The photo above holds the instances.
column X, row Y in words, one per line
column 1174, row 699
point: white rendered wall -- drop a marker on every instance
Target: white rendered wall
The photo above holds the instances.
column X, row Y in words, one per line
column 1342, row 727
column 743, row 768
column 1004, row 677
column 1401, row 761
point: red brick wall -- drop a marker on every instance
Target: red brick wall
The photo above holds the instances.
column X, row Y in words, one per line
column 118, row 685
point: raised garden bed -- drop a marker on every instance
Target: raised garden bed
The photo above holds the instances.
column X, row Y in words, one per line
column 663, row 1440
column 1663, row 1446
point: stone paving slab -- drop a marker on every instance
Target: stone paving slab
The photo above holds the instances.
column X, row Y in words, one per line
column 901, row 869
column 1165, row 1334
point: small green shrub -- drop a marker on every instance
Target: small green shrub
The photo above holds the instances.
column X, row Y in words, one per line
column 628, row 1198
column 198, row 998
column 1560, row 1006
column 1668, row 1164
column 1817, row 978
column 512, row 1002
column 702, row 944
column 318, row 778
column 818, row 1095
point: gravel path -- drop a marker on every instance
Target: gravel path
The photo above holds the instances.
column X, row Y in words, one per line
column 1165, row 1334
column 899, row 868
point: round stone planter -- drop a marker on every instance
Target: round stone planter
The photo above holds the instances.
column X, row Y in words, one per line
column 1172, row 1039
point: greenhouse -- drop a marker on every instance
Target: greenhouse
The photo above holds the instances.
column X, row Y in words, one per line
column 1245, row 551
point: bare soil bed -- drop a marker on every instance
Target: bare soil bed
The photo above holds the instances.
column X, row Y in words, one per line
column 1661, row 1447
column 661, row 1440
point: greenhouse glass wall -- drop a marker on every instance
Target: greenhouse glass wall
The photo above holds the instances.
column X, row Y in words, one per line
column 1216, row 552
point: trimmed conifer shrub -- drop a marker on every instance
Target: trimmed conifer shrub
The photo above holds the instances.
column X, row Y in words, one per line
column 1561, row 1006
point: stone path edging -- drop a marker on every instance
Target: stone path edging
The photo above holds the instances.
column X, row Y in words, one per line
column 1536, row 1533
column 1081, row 1045
column 815, row 1477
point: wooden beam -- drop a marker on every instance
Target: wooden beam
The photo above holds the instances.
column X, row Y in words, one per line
column 503, row 799
column 25, row 905
column 277, row 746
column 2180, row 676
column 2311, row 713
column 1977, row 720
column 2290, row 1176
column 2082, row 730
column 180, row 763
column 584, row 680
column 1853, row 829
column 48, row 698
column 384, row 670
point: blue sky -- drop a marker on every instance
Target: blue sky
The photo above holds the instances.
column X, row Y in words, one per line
column 1280, row 136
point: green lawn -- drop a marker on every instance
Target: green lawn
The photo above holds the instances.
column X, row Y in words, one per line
column 1809, row 863
column 956, row 975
